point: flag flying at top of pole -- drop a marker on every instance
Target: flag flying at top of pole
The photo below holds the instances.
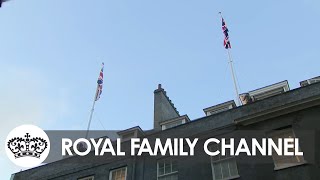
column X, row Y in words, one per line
column 96, row 97
column 225, row 31
column 227, row 45
column 99, row 84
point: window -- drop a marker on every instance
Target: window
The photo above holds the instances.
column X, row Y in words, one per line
column 133, row 132
column 171, row 125
column 223, row 167
column 310, row 81
column 174, row 122
column 281, row 162
column 269, row 91
column 118, row 174
column 167, row 169
column 219, row 108
column 87, row 178
column 216, row 111
column 128, row 136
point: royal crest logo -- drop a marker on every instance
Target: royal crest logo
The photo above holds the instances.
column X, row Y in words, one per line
column 27, row 146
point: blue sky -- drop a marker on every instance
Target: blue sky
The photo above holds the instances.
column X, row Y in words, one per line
column 51, row 51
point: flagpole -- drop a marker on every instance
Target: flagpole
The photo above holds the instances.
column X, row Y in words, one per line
column 92, row 110
column 232, row 73
column 96, row 97
column 234, row 79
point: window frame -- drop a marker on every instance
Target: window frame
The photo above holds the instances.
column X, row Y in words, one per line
column 172, row 124
column 278, row 133
column 87, row 178
column 220, row 161
column 117, row 169
column 167, row 174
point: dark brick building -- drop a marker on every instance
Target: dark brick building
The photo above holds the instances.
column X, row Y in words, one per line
column 273, row 111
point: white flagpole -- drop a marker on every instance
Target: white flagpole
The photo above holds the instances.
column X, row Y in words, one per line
column 232, row 73
column 95, row 99
column 234, row 79
column 91, row 113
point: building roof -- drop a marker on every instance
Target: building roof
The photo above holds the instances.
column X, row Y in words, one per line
column 221, row 106
column 176, row 119
column 135, row 128
column 294, row 100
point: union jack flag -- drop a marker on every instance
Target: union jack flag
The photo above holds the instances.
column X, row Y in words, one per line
column 100, row 83
column 225, row 31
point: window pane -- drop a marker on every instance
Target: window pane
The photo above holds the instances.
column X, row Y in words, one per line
column 161, row 164
column 118, row 174
column 225, row 169
column 167, row 167
column 217, row 171
column 233, row 167
column 280, row 161
column 113, row 176
column 161, row 171
column 174, row 166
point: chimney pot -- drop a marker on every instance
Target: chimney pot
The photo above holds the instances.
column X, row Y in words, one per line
column 159, row 86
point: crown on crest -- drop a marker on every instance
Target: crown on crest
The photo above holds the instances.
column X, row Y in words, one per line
column 27, row 146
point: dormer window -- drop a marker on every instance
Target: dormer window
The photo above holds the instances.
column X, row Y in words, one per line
column 219, row 108
column 265, row 92
column 127, row 134
column 174, row 122
column 310, row 81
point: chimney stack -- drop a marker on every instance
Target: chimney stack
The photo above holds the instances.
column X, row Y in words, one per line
column 163, row 108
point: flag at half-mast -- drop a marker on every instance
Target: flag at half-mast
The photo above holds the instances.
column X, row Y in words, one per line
column 225, row 31
column 100, row 84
